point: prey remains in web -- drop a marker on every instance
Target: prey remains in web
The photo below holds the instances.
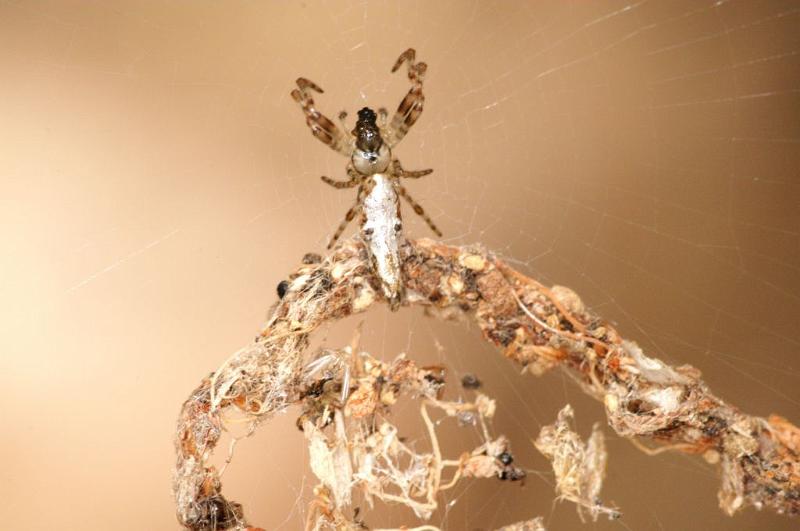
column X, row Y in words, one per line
column 375, row 172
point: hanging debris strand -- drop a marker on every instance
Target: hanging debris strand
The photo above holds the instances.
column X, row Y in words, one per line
column 362, row 450
column 537, row 524
column 579, row 467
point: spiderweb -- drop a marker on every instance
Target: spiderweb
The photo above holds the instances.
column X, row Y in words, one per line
column 643, row 153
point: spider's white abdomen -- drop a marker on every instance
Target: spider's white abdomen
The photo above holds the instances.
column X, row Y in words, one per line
column 381, row 230
column 367, row 163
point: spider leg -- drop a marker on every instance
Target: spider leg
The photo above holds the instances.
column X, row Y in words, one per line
column 351, row 214
column 418, row 209
column 321, row 126
column 340, row 184
column 355, row 179
column 400, row 172
column 342, row 118
column 383, row 121
column 411, row 107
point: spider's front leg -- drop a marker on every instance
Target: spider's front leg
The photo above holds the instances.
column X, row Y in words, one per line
column 321, row 126
column 411, row 107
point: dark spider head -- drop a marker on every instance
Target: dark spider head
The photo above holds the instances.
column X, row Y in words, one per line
column 368, row 136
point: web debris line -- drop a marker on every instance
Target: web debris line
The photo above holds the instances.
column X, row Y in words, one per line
column 645, row 399
column 364, row 452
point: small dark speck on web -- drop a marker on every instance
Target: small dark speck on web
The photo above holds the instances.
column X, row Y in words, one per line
column 283, row 287
column 470, row 381
column 311, row 258
column 506, row 458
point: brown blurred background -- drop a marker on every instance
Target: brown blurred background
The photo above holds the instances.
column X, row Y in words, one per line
column 157, row 181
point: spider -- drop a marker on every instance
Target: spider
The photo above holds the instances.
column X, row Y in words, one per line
column 374, row 171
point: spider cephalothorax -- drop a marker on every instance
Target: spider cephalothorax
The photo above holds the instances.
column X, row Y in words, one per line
column 371, row 154
column 367, row 133
column 373, row 170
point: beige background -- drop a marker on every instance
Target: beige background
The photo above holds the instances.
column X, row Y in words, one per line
column 157, row 181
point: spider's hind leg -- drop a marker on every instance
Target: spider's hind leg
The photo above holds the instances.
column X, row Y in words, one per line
column 418, row 210
column 351, row 214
